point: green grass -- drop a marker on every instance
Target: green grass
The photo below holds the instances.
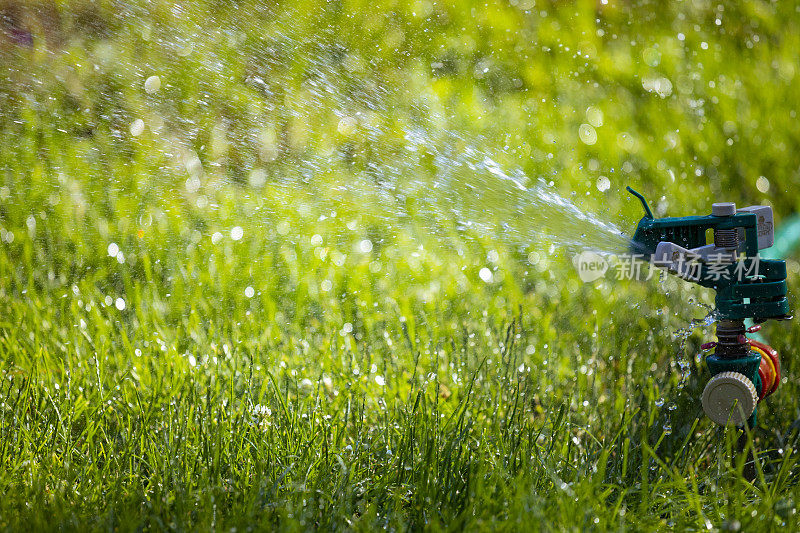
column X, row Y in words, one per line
column 295, row 379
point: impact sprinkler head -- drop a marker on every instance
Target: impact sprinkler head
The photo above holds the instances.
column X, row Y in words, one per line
column 747, row 287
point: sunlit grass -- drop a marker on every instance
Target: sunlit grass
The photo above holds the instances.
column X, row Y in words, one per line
column 255, row 310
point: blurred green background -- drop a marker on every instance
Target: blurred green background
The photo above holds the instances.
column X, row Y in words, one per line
column 234, row 289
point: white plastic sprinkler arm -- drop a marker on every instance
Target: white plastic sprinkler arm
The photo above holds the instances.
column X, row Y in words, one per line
column 673, row 257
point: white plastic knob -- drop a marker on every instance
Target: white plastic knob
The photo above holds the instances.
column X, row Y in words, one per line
column 723, row 209
column 729, row 396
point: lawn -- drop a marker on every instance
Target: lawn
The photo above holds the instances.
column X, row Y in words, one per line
column 298, row 265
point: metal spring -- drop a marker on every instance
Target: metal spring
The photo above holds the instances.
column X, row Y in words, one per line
column 726, row 238
column 729, row 339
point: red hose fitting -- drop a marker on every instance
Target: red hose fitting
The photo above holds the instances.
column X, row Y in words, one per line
column 769, row 370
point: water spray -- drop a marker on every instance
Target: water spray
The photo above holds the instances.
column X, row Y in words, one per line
column 721, row 251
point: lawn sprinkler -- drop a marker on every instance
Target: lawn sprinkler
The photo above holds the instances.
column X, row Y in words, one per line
column 721, row 251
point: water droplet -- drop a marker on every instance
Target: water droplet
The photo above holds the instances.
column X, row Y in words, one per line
column 365, row 246
column 137, row 127
column 152, row 84
column 651, row 56
column 120, row 304
column 347, row 126
column 603, row 183
column 237, row 233
column 486, row 275
column 587, row 134
column 306, row 386
column 595, row 116
column 249, row 292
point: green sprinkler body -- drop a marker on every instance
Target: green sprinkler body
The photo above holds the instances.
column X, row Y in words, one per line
column 721, row 251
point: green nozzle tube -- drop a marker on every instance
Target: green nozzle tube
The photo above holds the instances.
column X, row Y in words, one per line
column 647, row 212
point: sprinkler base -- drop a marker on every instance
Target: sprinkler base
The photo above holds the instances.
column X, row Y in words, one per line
column 743, row 372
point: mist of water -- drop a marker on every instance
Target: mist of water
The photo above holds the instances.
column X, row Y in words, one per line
column 421, row 173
